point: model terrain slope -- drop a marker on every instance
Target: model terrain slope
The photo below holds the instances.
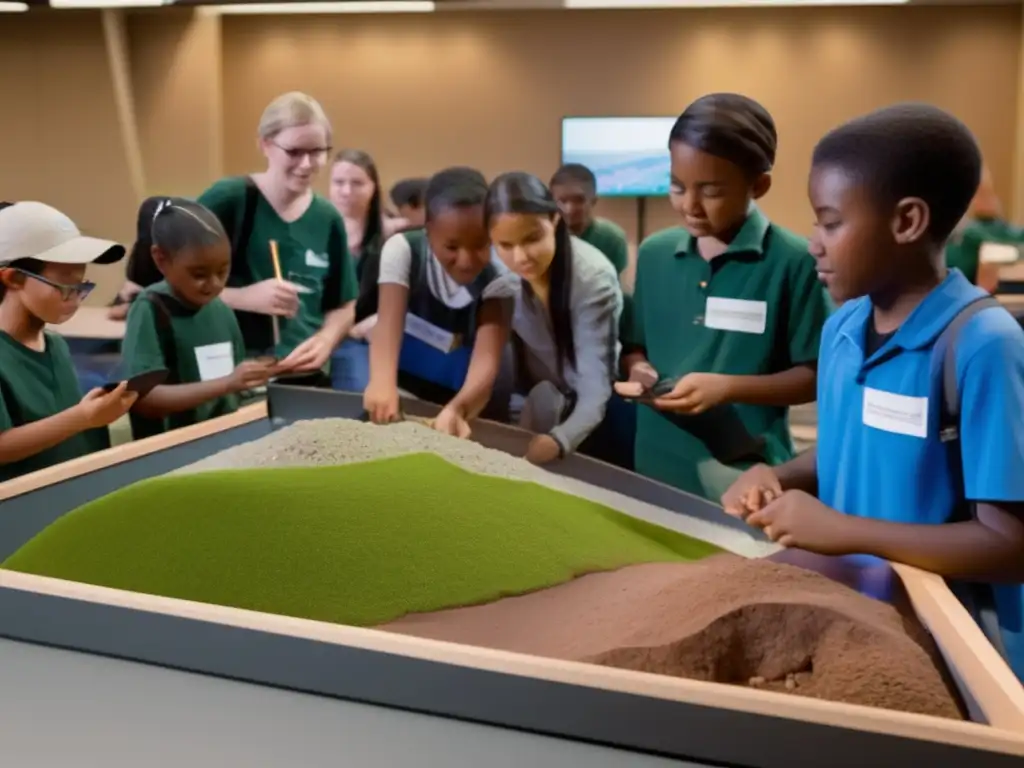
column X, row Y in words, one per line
column 410, row 531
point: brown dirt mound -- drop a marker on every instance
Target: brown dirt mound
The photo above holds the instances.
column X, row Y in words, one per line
column 725, row 619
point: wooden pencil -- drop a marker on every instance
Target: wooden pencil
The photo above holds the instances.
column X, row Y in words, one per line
column 277, row 272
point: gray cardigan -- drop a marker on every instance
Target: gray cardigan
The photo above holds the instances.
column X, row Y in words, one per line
column 595, row 305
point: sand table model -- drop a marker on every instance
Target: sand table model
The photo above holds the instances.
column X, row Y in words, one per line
column 354, row 524
column 330, row 442
column 357, row 544
column 724, row 619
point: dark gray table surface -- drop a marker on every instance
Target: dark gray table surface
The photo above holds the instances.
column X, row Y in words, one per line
column 61, row 708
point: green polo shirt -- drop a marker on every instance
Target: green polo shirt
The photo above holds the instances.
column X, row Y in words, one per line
column 35, row 386
column 964, row 248
column 313, row 252
column 610, row 239
column 202, row 344
column 765, row 308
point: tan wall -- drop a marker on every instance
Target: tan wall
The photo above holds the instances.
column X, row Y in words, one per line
column 60, row 140
column 488, row 89
column 176, row 78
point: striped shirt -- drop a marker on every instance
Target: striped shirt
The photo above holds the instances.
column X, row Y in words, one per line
column 595, row 306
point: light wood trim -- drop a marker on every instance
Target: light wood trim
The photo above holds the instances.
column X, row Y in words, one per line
column 1017, row 199
column 973, row 660
column 115, row 37
column 133, row 450
column 655, row 686
column 995, row 688
column 208, row 26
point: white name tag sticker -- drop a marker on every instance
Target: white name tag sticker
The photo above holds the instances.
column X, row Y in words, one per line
column 736, row 315
column 317, row 260
column 215, row 361
column 429, row 333
column 900, row 414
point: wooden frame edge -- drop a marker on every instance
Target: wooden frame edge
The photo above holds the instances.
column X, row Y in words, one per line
column 133, row 450
column 967, row 651
column 735, row 698
column 991, row 683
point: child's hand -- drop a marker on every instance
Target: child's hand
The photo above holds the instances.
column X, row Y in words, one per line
column 452, row 422
column 100, row 408
column 381, row 402
column 118, row 311
column 129, row 291
column 310, row 355
column 362, row 330
column 543, row 449
column 644, row 373
column 251, row 374
column 270, row 297
column 696, row 393
column 754, row 489
column 642, row 377
column 797, row 519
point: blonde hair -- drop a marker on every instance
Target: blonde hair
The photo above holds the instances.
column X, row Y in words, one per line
column 290, row 110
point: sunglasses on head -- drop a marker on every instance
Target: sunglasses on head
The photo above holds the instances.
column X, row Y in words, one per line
column 79, row 290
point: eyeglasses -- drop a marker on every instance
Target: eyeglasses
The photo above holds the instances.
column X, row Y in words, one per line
column 317, row 155
column 80, row 290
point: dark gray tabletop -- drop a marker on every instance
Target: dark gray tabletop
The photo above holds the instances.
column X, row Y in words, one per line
column 61, row 708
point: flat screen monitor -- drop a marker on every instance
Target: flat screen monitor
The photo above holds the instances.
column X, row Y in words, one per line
column 628, row 155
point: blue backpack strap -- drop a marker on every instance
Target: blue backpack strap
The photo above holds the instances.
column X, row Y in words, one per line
column 978, row 598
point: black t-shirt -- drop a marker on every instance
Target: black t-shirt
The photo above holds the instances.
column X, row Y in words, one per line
column 874, row 340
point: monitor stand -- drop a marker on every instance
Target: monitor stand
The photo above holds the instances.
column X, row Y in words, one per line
column 641, row 220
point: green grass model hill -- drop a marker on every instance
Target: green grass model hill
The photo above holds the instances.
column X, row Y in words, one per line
column 358, row 544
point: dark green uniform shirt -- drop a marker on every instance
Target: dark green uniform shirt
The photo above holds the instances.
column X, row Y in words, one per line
column 313, row 251
column 757, row 309
column 610, row 239
column 964, row 248
column 37, row 385
column 200, row 345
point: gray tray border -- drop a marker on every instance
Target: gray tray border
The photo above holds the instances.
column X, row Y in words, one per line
column 715, row 736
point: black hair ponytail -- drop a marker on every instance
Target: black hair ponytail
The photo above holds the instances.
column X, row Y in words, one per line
column 560, row 277
column 520, row 192
column 172, row 224
column 141, row 268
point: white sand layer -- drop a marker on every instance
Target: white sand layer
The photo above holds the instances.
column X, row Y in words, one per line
column 325, row 442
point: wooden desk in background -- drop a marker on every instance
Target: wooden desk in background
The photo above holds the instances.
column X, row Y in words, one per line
column 1012, row 301
column 90, row 323
column 1013, row 273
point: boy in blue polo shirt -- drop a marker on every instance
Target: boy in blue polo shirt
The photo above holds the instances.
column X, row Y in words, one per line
column 886, row 478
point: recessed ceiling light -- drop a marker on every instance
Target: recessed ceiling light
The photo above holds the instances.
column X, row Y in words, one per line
column 650, row 4
column 369, row 6
column 65, row 5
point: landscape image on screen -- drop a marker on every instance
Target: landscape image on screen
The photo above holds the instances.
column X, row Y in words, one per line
column 628, row 155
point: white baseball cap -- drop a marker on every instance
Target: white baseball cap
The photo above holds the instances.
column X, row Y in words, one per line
column 30, row 230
